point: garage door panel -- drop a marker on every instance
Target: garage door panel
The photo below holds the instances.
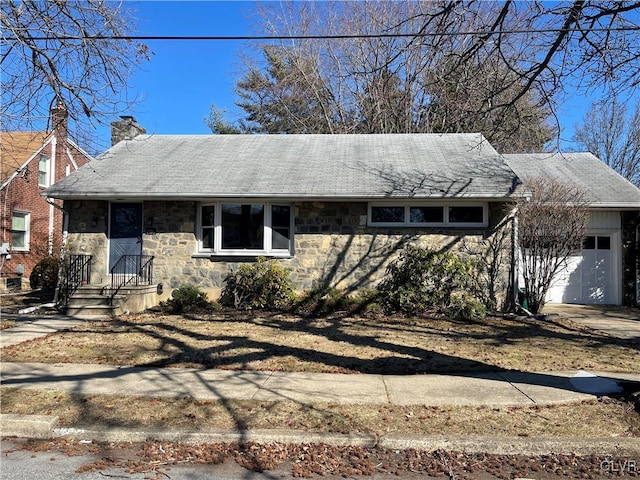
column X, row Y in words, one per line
column 595, row 295
column 588, row 270
column 588, row 277
column 561, row 285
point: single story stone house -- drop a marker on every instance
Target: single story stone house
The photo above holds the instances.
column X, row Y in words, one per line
column 332, row 209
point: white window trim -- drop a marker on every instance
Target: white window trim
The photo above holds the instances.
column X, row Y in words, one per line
column 47, row 176
column 27, row 231
column 445, row 205
column 217, row 249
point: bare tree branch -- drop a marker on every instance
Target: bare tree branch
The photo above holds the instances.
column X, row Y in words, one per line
column 552, row 223
column 88, row 75
column 612, row 134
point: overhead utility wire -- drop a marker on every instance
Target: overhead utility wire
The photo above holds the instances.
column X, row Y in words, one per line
column 320, row 37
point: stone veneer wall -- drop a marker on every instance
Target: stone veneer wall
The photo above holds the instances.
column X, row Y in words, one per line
column 333, row 245
column 87, row 234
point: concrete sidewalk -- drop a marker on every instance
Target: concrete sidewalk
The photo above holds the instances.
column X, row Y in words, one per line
column 503, row 388
column 490, row 388
column 29, row 327
column 485, row 388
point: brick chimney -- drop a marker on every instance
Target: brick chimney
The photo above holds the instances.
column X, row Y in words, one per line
column 59, row 121
column 125, row 129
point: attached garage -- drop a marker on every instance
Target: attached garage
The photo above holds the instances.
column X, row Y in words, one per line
column 605, row 271
column 593, row 276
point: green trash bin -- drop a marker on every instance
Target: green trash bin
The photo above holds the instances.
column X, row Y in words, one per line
column 522, row 298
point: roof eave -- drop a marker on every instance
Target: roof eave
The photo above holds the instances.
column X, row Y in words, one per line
column 615, row 206
column 291, row 197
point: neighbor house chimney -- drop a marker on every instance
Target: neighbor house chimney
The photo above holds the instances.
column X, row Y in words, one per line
column 59, row 119
column 125, row 129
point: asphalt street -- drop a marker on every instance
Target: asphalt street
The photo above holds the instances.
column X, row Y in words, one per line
column 27, row 465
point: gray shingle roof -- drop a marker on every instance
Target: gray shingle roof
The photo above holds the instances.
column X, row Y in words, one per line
column 603, row 186
column 293, row 166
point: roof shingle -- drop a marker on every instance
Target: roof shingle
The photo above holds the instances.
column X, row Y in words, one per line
column 294, row 166
column 602, row 185
column 16, row 148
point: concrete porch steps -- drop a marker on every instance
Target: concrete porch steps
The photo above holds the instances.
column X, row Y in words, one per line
column 92, row 301
column 90, row 311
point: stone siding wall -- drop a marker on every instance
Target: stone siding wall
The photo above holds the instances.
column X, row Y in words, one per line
column 87, row 234
column 333, row 245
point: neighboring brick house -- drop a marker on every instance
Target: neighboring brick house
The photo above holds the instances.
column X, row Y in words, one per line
column 332, row 209
column 31, row 226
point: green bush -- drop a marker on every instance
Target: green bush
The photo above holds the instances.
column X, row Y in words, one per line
column 464, row 307
column 263, row 285
column 188, row 299
column 45, row 274
column 423, row 280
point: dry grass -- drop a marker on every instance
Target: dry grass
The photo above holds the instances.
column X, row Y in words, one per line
column 4, row 323
column 21, row 299
column 278, row 342
column 587, row 419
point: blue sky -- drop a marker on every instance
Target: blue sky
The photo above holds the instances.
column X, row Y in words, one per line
column 183, row 78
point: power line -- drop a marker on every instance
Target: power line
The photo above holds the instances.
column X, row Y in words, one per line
column 319, row 37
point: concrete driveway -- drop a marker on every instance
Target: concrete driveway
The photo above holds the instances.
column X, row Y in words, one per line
column 620, row 322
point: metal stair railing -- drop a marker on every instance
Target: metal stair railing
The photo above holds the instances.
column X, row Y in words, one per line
column 130, row 270
column 77, row 273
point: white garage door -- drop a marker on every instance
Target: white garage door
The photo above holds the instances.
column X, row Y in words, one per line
column 591, row 276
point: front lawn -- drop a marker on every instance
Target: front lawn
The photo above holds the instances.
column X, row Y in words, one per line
column 283, row 342
column 279, row 342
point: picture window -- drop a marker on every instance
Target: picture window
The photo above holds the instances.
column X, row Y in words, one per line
column 237, row 228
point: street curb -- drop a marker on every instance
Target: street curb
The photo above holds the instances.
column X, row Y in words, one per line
column 528, row 446
column 618, row 447
column 220, row 436
column 29, row 426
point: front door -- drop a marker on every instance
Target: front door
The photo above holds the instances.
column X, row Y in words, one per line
column 125, row 231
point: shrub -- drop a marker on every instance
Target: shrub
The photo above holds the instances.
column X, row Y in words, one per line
column 263, row 285
column 188, row 299
column 324, row 301
column 45, row 274
column 423, row 279
column 464, row 307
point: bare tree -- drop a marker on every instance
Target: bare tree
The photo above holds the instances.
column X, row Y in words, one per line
column 613, row 135
column 552, row 222
column 68, row 52
column 584, row 43
column 495, row 67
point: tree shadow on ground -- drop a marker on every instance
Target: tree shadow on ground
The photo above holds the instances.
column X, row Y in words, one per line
column 386, row 353
column 236, row 351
